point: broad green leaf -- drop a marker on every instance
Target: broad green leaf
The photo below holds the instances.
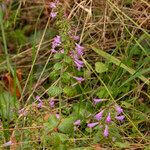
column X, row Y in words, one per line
column 119, row 63
column 54, row 91
column 66, row 126
column 58, row 66
column 56, row 140
column 8, row 106
column 103, row 93
column 61, row 147
column 69, row 91
column 54, row 75
column 100, row 67
column 126, row 104
column 67, row 59
column 59, row 137
column 87, row 74
column 82, row 148
column 58, row 56
column 65, row 77
column 83, row 109
column 122, row 145
column 147, row 147
column 52, row 123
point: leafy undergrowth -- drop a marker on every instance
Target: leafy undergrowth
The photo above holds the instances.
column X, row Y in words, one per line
column 75, row 75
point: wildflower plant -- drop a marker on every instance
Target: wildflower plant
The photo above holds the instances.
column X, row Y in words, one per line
column 68, row 69
column 75, row 104
column 67, row 54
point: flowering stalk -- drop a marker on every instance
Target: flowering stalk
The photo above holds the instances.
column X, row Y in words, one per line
column 52, row 103
column 40, row 102
column 118, row 109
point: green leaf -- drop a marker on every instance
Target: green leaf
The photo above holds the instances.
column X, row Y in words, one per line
column 65, row 77
column 61, row 147
column 147, row 147
column 67, row 59
column 122, row 145
column 58, row 66
column 117, row 62
column 126, row 104
column 52, row 123
column 82, row 148
column 54, row 74
column 8, row 106
column 100, row 67
column 18, row 37
column 103, row 93
column 83, row 109
column 58, row 56
column 87, row 74
column 62, row 137
column 67, row 125
column 69, row 91
column 57, row 139
column 54, row 91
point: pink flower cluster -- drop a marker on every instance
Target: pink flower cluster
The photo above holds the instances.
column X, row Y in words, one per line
column 53, row 5
column 76, row 55
column 74, row 37
column 40, row 104
column 108, row 119
column 79, row 79
column 55, row 43
column 119, row 111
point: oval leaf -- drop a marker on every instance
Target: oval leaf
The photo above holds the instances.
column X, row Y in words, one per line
column 100, row 67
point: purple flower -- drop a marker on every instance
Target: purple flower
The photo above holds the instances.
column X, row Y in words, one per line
column 62, row 51
column 96, row 100
column 37, row 97
column 56, row 42
column 99, row 115
column 79, row 79
column 79, row 49
column 53, row 14
column 52, row 103
column 53, row 51
column 75, row 37
column 52, row 5
column 75, row 57
column 56, row 1
column 78, row 63
column 57, row 39
column 40, row 104
column 40, row 101
column 8, row 143
column 57, row 116
column 77, row 122
column 108, row 119
column 106, row 133
column 91, row 125
column 120, row 118
column 22, row 112
column 118, row 109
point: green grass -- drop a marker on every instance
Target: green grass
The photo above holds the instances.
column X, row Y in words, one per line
column 116, row 70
